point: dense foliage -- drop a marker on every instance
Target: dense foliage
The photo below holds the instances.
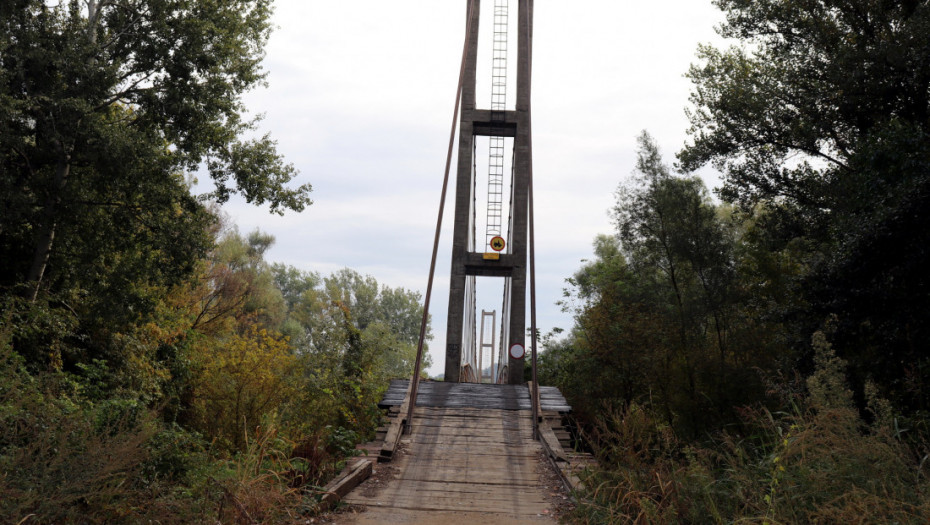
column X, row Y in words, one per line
column 104, row 106
column 663, row 312
column 154, row 366
column 242, row 390
column 765, row 359
column 820, row 124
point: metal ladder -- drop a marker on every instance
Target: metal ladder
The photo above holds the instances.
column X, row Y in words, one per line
column 498, row 106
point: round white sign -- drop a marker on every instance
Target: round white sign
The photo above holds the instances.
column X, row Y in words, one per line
column 517, row 351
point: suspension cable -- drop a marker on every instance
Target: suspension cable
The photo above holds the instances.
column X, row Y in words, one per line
column 415, row 380
column 529, row 120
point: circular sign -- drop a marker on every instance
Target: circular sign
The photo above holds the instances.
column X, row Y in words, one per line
column 497, row 243
column 517, row 351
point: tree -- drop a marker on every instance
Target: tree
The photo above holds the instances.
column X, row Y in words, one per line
column 820, row 123
column 660, row 312
column 104, row 106
column 240, row 381
column 319, row 306
column 815, row 81
column 673, row 238
column 351, row 336
column 615, row 353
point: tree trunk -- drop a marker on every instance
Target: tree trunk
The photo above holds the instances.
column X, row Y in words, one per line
column 43, row 249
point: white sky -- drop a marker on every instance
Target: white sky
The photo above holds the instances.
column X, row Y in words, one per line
column 360, row 101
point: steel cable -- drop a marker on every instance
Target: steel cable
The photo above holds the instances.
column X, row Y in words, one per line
column 415, row 380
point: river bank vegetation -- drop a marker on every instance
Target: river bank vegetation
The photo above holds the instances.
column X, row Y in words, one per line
column 238, row 393
column 154, row 366
column 765, row 358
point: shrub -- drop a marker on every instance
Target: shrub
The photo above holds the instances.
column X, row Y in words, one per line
column 816, row 462
column 61, row 462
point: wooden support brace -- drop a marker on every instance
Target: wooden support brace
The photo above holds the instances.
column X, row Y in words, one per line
column 395, row 431
column 342, row 485
column 551, row 443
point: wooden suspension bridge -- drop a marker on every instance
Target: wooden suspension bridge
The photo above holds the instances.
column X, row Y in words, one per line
column 465, row 451
column 470, row 458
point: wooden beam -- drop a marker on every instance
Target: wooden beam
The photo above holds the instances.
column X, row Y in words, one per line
column 551, row 443
column 395, row 431
column 342, row 485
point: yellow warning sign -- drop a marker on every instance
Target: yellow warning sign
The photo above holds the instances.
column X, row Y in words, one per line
column 497, row 243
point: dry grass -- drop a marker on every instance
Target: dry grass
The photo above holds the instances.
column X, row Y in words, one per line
column 258, row 492
column 817, row 462
column 60, row 465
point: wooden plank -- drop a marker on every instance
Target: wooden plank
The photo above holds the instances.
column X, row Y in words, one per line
column 392, row 438
column 465, row 460
column 452, row 496
column 475, row 421
column 488, row 490
column 441, row 394
column 461, row 414
column 489, row 448
column 516, row 507
column 452, row 394
column 553, row 447
column 494, row 428
column 471, row 474
column 470, row 459
column 439, row 499
column 342, row 485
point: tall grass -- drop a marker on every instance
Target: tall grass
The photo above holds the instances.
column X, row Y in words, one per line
column 817, row 461
column 61, row 462
column 67, row 460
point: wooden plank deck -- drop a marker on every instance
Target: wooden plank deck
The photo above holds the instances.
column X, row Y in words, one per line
column 474, row 395
column 461, row 465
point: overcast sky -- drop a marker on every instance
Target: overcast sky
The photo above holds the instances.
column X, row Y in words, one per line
column 360, row 100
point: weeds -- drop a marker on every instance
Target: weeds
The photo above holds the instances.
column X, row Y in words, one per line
column 816, row 462
column 60, row 461
column 258, row 491
column 68, row 461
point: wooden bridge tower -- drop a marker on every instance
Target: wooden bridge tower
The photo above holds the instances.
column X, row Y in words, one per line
column 470, row 258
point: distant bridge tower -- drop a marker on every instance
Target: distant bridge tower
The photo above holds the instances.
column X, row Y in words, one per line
column 474, row 254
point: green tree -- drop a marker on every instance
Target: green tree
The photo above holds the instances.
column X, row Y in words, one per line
column 319, row 304
column 660, row 313
column 106, row 109
column 615, row 353
column 241, row 380
column 351, row 335
column 674, row 239
column 103, row 108
column 819, row 120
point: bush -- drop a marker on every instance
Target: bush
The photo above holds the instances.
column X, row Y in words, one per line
column 816, row 462
column 63, row 462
